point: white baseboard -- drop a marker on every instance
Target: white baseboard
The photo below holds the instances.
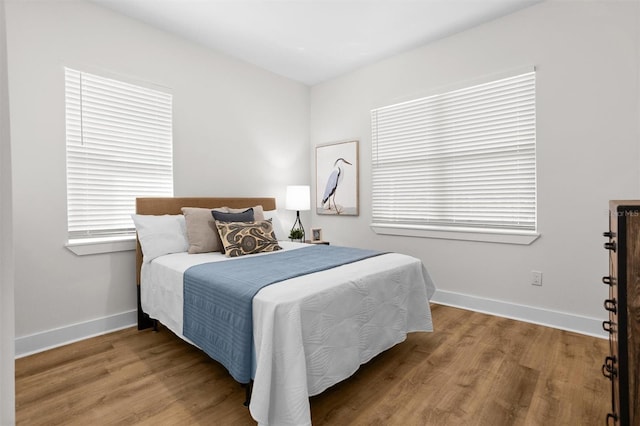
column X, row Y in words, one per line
column 555, row 319
column 38, row 342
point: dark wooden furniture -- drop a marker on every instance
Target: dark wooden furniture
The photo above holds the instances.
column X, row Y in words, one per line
column 622, row 364
column 326, row 243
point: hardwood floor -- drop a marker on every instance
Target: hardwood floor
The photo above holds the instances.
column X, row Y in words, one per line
column 475, row 369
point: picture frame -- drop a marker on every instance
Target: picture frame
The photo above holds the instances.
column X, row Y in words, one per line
column 337, row 172
column 316, row 234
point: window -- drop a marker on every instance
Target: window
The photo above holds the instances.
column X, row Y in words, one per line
column 119, row 147
column 459, row 161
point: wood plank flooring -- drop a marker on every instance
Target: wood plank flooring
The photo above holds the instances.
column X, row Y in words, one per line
column 475, row 369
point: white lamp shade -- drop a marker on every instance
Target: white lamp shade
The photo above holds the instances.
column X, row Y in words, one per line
column 298, row 197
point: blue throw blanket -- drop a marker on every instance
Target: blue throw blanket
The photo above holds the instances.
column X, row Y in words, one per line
column 218, row 298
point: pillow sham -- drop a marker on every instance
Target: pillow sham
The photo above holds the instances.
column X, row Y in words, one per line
column 160, row 235
column 244, row 216
column 258, row 212
column 202, row 233
column 242, row 238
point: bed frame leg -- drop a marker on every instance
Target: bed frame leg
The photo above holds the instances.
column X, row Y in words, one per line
column 144, row 321
column 155, row 325
column 248, row 388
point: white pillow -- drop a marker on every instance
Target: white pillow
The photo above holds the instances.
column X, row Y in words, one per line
column 281, row 234
column 159, row 235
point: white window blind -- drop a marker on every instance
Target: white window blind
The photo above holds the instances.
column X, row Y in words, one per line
column 119, row 147
column 460, row 160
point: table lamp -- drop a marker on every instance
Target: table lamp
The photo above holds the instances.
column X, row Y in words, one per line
column 298, row 198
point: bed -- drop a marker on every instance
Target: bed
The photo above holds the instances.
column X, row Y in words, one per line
column 309, row 332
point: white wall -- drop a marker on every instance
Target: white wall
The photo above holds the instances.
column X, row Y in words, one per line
column 7, row 377
column 586, row 54
column 238, row 131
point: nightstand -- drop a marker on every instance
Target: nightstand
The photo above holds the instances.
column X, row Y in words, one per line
column 326, row 243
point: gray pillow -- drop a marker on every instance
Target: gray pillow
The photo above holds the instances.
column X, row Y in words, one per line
column 201, row 230
column 258, row 212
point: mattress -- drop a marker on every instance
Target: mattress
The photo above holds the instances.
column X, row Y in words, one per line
column 310, row 332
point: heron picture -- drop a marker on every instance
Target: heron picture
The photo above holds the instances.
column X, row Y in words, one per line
column 337, row 178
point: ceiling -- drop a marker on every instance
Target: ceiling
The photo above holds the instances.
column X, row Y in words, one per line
column 313, row 40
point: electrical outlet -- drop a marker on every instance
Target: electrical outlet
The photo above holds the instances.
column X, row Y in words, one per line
column 536, row 278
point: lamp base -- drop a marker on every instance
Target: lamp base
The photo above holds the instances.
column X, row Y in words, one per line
column 298, row 225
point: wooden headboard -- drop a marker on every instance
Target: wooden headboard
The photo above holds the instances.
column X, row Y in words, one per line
column 160, row 206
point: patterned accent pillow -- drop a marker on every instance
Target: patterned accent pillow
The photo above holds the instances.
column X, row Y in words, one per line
column 243, row 216
column 240, row 238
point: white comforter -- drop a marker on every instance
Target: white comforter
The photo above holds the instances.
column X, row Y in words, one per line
column 310, row 332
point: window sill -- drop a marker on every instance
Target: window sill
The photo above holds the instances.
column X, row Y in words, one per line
column 88, row 246
column 464, row 234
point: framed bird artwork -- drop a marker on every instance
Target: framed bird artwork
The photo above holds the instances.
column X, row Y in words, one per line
column 337, row 178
